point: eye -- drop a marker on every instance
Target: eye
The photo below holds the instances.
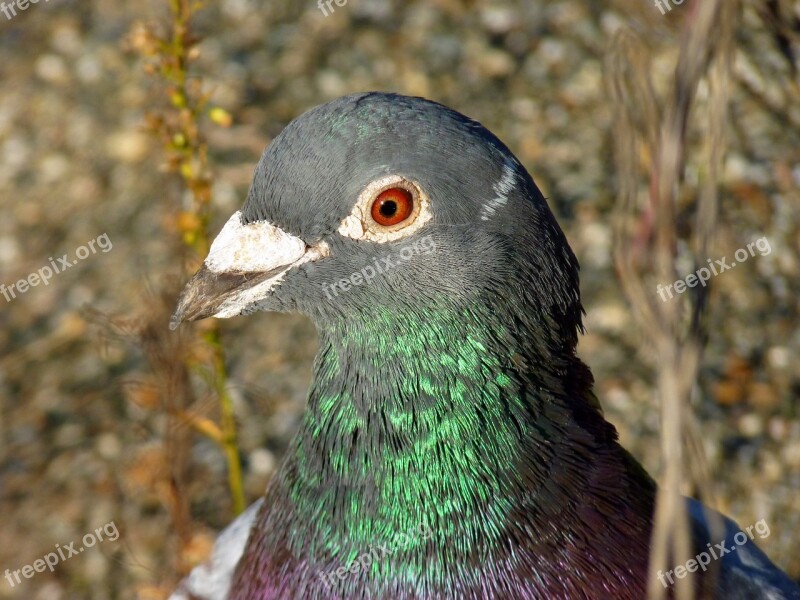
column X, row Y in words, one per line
column 392, row 206
column 388, row 209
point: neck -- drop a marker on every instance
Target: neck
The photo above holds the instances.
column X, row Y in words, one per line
column 460, row 434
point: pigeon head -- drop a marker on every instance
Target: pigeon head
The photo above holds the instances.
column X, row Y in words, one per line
column 384, row 203
column 449, row 422
column 446, row 391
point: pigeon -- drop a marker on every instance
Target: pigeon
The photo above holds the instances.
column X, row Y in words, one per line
column 451, row 446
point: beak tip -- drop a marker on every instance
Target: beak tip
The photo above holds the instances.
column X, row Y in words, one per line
column 201, row 297
column 175, row 321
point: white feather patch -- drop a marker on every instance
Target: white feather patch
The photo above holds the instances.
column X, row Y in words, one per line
column 502, row 188
column 212, row 580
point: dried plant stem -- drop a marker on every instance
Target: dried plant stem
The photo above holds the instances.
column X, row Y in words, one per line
column 187, row 155
column 652, row 231
column 228, row 440
column 194, row 171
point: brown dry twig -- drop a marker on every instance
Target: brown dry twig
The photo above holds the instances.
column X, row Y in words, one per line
column 178, row 126
column 646, row 242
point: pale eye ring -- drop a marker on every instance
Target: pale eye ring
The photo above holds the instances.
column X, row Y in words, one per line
column 387, row 209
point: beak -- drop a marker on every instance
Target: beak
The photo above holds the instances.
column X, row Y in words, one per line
column 244, row 264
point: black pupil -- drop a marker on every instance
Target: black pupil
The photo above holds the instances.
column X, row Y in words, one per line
column 388, row 208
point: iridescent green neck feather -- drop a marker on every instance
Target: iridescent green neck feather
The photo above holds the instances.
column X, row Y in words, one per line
column 473, row 440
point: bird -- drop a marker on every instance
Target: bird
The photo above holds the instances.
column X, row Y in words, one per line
column 451, row 445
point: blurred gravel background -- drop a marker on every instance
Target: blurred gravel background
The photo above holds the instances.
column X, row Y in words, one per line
column 78, row 447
